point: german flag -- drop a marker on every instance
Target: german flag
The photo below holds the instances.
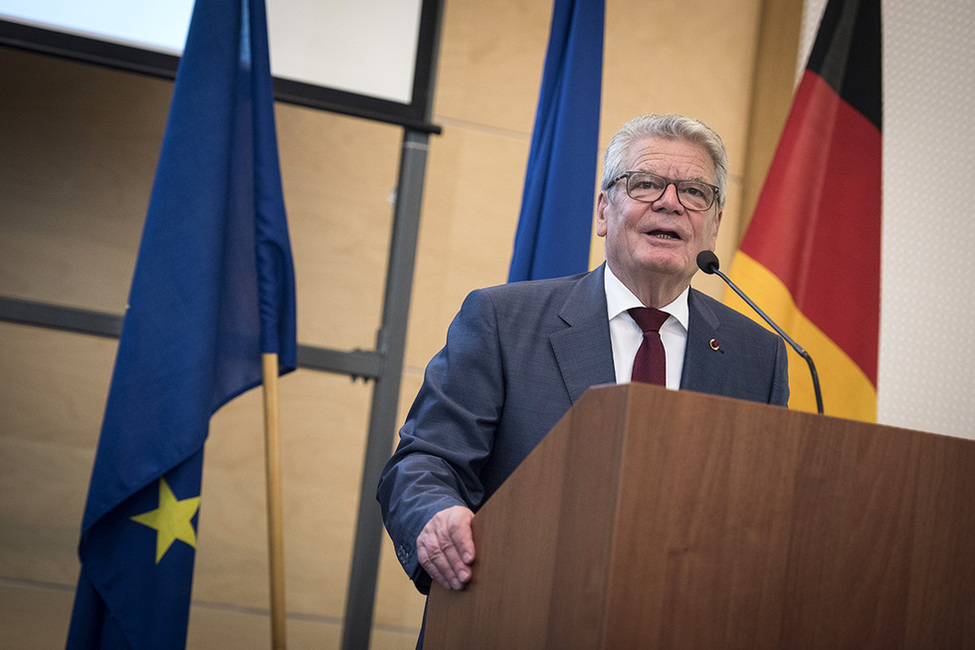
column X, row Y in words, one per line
column 811, row 254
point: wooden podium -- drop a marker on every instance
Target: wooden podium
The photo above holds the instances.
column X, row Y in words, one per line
column 650, row 518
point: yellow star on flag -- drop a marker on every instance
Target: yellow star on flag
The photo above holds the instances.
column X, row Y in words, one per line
column 171, row 520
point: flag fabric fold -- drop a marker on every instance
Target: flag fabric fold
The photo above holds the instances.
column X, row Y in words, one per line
column 555, row 223
column 811, row 254
column 213, row 289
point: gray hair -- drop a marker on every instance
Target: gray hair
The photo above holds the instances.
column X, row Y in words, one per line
column 669, row 127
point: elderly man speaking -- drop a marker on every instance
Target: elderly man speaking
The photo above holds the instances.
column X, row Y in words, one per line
column 518, row 356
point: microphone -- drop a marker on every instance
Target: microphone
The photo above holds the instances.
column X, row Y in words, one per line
column 707, row 261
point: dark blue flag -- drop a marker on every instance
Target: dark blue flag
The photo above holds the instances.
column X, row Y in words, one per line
column 555, row 225
column 213, row 289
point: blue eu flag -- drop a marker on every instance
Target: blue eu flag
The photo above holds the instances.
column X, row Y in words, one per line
column 555, row 225
column 213, row 289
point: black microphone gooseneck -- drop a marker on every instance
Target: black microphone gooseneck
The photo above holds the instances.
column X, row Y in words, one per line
column 707, row 261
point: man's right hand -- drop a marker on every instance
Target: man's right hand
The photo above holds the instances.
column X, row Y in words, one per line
column 445, row 547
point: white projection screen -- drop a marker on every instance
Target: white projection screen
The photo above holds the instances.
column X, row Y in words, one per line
column 371, row 58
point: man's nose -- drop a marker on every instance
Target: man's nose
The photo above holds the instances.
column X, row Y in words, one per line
column 669, row 199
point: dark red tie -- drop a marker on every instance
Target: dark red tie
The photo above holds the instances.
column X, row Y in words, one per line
column 650, row 364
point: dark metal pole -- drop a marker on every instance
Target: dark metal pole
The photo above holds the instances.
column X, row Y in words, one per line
column 391, row 345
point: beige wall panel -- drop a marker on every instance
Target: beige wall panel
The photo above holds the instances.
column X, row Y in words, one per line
column 470, row 212
column 393, row 639
column 54, row 384
column 491, row 58
column 692, row 57
column 339, row 175
column 52, row 396
column 44, row 487
column 214, row 628
column 79, row 153
column 32, row 617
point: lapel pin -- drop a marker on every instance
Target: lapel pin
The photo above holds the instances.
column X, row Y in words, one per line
column 714, row 344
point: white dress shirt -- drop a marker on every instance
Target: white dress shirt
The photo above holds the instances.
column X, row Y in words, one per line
column 626, row 336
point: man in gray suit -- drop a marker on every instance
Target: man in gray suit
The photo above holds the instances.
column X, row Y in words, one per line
column 519, row 355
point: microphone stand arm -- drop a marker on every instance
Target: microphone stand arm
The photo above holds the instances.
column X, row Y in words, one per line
column 795, row 346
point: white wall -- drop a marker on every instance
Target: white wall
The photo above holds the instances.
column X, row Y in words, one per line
column 927, row 319
column 927, row 326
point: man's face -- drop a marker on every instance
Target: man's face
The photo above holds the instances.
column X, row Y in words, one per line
column 658, row 240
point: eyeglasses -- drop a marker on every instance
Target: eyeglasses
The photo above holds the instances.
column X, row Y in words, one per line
column 647, row 188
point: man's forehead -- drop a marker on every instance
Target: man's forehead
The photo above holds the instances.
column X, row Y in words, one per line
column 666, row 156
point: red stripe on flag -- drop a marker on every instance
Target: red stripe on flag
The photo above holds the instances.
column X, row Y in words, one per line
column 817, row 222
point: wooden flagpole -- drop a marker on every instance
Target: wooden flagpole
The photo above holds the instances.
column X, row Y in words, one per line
column 275, row 520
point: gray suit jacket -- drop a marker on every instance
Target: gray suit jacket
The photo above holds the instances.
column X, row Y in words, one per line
column 517, row 357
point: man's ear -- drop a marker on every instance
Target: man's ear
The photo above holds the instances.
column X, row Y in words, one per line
column 717, row 226
column 601, row 205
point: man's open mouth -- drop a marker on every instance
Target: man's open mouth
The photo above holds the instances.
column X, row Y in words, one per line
column 663, row 234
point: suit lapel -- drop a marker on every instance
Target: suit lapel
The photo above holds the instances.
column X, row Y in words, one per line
column 701, row 372
column 583, row 349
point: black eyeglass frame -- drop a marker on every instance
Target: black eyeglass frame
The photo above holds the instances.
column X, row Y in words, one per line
column 667, row 183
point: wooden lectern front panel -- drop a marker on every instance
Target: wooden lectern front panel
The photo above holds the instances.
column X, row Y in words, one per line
column 658, row 519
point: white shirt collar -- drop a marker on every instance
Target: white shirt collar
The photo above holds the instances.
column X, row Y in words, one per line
column 619, row 299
